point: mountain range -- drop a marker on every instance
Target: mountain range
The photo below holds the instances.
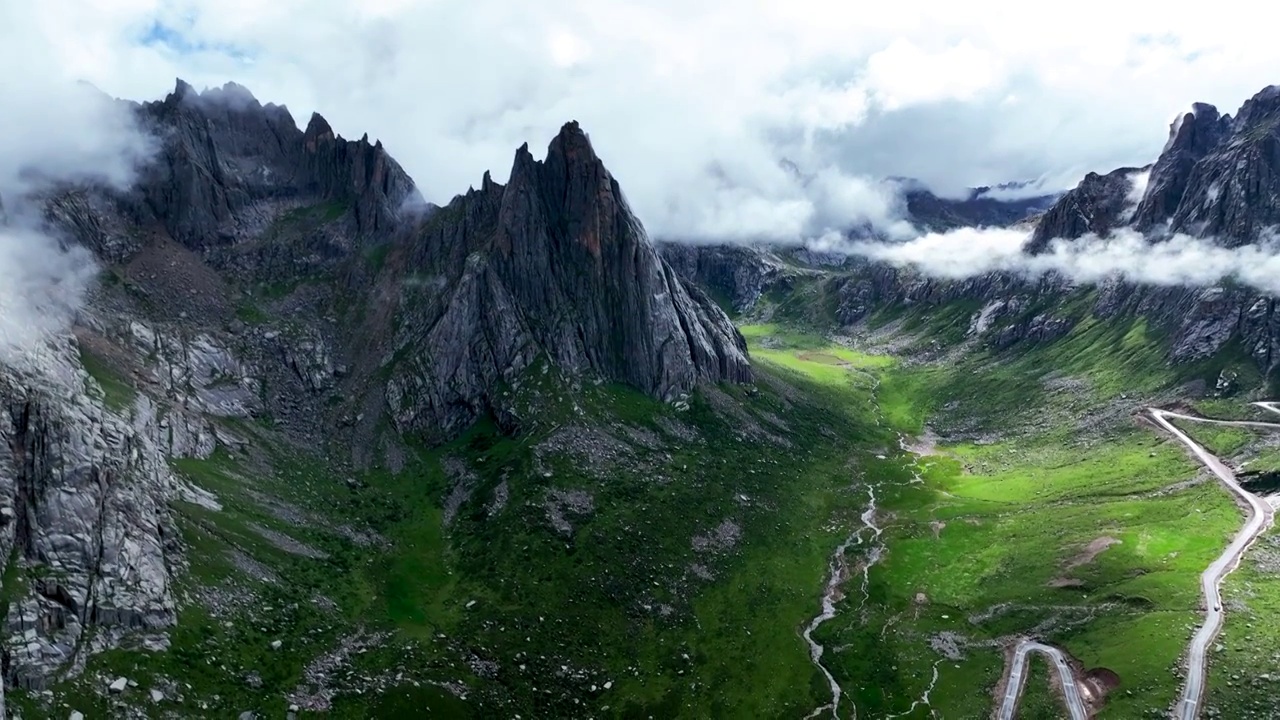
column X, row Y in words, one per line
column 280, row 306
column 1215, row 179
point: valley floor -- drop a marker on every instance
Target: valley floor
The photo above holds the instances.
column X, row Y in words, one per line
column 1083, row 528
column 626, row 558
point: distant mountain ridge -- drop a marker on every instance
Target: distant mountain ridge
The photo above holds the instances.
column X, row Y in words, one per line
column 1217, row 178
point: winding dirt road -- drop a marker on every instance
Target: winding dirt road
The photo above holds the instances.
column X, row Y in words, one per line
column 1260, row 517
column 1017, row 679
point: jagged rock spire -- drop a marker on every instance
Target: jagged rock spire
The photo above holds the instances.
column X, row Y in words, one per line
column 554, row 263
column 1191, row 136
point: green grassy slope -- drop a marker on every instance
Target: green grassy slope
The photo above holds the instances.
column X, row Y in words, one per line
column 627, row 558
column 679, row 591
column 993, row 542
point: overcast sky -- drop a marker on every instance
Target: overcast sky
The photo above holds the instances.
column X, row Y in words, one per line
column 693, row 105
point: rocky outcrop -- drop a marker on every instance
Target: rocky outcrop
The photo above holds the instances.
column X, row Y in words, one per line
column 1231, row 193
column 552, row 264
column 360, row 174
column 740, row 274
column 228, row 165
column 1098, row 205
column 1191, row 137
column 1217, row 178
column 83, row 522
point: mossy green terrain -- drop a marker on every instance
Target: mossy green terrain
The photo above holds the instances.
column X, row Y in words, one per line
column 621, row 557
column 1076, row 535
column 117, row 393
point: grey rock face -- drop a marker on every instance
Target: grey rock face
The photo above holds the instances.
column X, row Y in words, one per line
column 552, row 264
column 1208, row 327
column 1096, row 206
column 223, row 154
column 739, row 273
column 1216, row 178
column 94, row 219
column 310, row 359
column 572, row 252
column 83, row 513
column 479, row 344
column 1231, row 193
column 199, row 371
column 1191, row 137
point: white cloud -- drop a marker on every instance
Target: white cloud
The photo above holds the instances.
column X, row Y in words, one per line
column 54, row 131
column 1180, row 260
column 904, row 74
column 1137, row 190
column 675, row 92
column 41, row 287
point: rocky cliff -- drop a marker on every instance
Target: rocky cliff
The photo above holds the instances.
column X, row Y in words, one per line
column 1099, row 204
column 1216, row 179
column 83, row 521
column 295, row 280
column 226, row 160
column 553, row 265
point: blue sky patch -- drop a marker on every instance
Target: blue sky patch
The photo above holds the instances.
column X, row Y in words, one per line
column 160, row 34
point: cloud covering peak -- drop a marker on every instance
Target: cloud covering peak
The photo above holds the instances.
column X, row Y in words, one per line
column 55, row 131
column 700, row 108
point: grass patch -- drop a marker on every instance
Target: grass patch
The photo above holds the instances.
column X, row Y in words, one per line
column 117, row 393
column 251, row 313
column 1221, row 440
column 625, row 599
column 375, row 257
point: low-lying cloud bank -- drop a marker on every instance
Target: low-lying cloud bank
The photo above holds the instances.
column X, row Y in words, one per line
column 54, row 133
column 1180, row 260
column 41, row 287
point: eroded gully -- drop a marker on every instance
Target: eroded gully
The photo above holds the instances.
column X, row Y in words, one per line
column 867, row 535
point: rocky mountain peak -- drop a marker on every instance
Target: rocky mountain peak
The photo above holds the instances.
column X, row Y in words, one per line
column 1217, row 178
column 230, row 96
column 571, row 146
column 1095, row 206
column 181, row 91
column 552, row 264
column 1198, row 131
column 1231, row 188
column 1261, row 109
column 1192, row 136
column 590, row 200
column 318, row 130
column 574, row 254
column 227, row 164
